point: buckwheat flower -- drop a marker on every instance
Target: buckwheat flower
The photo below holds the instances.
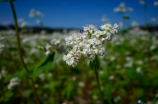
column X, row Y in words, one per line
column 81, row 84
column 122, row 8
column 134, row 24
column 153, row 19
column 69, row 59
column 38, row 13
column 20, row 20
column 50, row 74
column 88, row 44
column 38, row 21
column 42, row 76
column 13, row 82
column 32, row 13
column 142, row 2
column 106, row 26
column 138, row 70
column 23, row 24
column 97, row 33
column 111, row 77
column 156, row 3
column 3, row 73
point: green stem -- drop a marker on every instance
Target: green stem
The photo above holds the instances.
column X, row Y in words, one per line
column 20, row 53
column 102, row 97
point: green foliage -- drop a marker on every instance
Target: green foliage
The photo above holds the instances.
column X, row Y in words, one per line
column 44, row 64
column 57, row 83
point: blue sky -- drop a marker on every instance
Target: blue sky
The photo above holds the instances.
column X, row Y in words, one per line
column 75, row 13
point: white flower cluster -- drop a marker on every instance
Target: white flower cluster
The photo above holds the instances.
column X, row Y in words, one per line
column 33, row 13
column 122, row 8
column 22, row 23
column 88, row 44
column 14, row 82
column 52, row 46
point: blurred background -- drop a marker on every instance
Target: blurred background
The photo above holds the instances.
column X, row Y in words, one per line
column 128, row 71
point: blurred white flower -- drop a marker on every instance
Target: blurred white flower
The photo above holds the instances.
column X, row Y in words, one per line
column 42, row 76
column 73, row 78
column 112, row 58
column 122, row 8
column 142, row 2
column 153, row 47
column 121, row 24
column 43, row 32
column 111, row 77
column 95, row 97
column 101, row 72
column 50, row 74
column 23, row 24
column 33, row 13
column 3, row 73
column 38, row 21
column 38, row 13
column 116, row 99
column 156, row 3
column 36, row 85
column 138, row 70
column 140, row 62
column 14, row 82
column 11, row 32
column 153, row 19
column 134, row 24
column 20, row 20
column 139, row 101
column 81, row 84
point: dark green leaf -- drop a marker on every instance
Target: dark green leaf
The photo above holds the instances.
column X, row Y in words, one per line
column 44, row 64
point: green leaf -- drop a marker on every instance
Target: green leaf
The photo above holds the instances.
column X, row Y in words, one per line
column 44, row 64
column 47, row 59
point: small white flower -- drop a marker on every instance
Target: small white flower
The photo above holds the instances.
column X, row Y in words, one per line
column 111, row 77
column 138, row 70
column 42, row 76
column 13, row 82
column 81, row 84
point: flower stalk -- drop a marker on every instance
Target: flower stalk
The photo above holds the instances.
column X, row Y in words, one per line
column 20, row 53
column 101, row 93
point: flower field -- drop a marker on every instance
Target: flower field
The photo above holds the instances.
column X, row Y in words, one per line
column 128, row 72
